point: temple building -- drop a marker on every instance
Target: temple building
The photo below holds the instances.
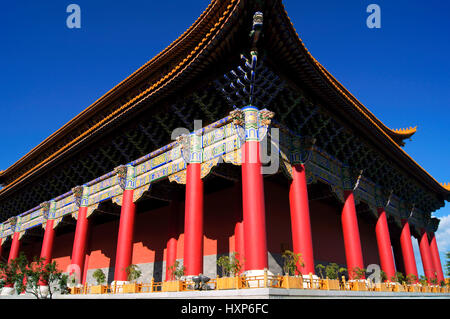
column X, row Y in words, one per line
column 232, row 139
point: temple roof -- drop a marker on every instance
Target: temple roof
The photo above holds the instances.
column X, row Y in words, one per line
column 192, row 51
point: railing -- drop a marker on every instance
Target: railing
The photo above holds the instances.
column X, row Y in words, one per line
column 263, row 281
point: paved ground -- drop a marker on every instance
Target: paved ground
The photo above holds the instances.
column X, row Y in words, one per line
column 259, row 293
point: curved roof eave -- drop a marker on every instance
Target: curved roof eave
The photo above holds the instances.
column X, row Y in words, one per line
column 217, row 14
column 391, row 137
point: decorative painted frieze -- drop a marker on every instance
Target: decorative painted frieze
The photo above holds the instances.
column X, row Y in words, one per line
column 125, row 179
column 209, row 146
column 366, row 193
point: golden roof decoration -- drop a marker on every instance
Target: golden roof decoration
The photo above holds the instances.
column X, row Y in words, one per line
column 406, row 132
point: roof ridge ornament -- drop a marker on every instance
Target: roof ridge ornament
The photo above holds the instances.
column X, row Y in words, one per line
column 256, row 32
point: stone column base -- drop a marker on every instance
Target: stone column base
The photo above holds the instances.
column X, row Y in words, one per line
column 8, row 291
column 257, row 282
column 307, row 278
column 43, row 290
column 119, row 284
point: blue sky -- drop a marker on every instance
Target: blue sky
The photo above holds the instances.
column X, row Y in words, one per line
column 50, row 73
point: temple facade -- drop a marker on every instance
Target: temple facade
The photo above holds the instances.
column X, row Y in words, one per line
column 232, row 139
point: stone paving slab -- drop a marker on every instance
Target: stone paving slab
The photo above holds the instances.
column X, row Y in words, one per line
column 258, row 293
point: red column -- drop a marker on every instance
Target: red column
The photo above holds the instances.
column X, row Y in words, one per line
column 80, row 240
column 124, row 250
column 171, row 251
column 85, row 268
column 407, row 250
column 239, row 240
column 300, row 221
column 15, row 246
column 47, row 243
column 14, row 251
column 352, row 242
column 253, row 208
column 436, row 259
column 193, row 222
column 239, row 243
column 384, row 244
column 425, row 253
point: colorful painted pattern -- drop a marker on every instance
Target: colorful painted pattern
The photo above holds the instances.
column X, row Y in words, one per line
column 219, row 141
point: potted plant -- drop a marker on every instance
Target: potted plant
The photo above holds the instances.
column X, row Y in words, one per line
column 397, row 282
column 320, row 269
column 411, row 280
column 332, row 271
column 230, row 267
column 133, row 273
column 72, row 283
column 176, row 273
column 100, row 277
column 434, row 283
column 357, row 282
column 292, row 275
column 424, row 284
column 442, row 286
column 382, row 285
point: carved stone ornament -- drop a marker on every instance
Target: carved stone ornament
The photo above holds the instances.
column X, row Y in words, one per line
column 77, row 194
column 301, row 149
column 351, row 178
column 184, row 141
column 266, row 117
column 12, row 222
column 121, row 172
column 258, row 18
column 45, row 210
column 238, row 117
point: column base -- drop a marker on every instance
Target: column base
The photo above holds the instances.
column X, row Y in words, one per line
column 258, row 281
column 43, row 290
column 8, row 291
column 119, row 284
column 315, row 282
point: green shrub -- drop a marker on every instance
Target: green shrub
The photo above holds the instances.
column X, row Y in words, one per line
column 99, row 276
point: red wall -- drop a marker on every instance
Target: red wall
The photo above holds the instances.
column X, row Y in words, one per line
column 328, row 240
column 221, row 211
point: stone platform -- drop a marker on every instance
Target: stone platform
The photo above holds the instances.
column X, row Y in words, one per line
column 257, row 293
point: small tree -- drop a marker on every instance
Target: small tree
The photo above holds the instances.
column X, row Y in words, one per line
column 176, row 270
column 358, row 273
column 411, row 279
column 332, row 270
column 434, row 280
column 320, row 268
column 383, row 276
column 229, row 265
column 30, row 277
column 133, row 273
column 291, row 263
column 99, row 276
column 342, row 271
column 72, row 280
column 423, row 280
column 398, row 277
